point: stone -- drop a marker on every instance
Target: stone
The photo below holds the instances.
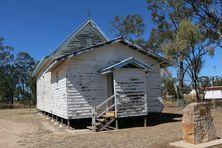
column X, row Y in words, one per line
column 197, row 123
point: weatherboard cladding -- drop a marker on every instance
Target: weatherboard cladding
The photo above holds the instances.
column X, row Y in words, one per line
column 86, row 87
column 74, row 84
column 131, row 89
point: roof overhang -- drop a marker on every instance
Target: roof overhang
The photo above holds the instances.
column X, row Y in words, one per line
column 162, row 61
column 54, row 64
column 40, row 65
column 121, row 64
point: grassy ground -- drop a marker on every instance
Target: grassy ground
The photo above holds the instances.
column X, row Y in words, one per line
column 25, row 128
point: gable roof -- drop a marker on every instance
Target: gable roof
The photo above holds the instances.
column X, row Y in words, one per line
column 163, row 62
column 75, row 41
column 130, row 60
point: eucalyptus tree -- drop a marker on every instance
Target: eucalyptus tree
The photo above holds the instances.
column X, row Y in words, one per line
column 24, row 65
column 192, row 40
column 167, row 16
column 7, row 79
column 130, row 27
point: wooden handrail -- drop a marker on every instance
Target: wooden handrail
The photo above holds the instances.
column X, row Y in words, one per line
column 105, row 111
column 96, row 114
column 106, row 101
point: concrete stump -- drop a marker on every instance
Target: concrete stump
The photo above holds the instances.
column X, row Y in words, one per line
column 197, row 123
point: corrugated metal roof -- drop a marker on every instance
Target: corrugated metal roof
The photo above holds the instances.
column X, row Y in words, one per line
column 51, row 59
column 164, row 62
column 56, row 53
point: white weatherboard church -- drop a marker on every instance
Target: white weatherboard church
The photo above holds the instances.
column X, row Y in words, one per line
column 90, row 76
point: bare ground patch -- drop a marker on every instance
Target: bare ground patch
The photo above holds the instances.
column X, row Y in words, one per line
column 25, row 128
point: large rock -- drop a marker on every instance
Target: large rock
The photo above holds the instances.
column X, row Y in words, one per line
column 197, row 123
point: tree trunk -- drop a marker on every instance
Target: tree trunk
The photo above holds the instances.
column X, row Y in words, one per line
column 196, row 86
column 179, row 88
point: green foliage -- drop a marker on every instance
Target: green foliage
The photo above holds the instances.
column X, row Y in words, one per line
column 184, row 31
column 24, row 65
column 7, row 81
column 206, row 81
column 168, row 86
column 5, row 54
column 16, row 82
column 130, row 27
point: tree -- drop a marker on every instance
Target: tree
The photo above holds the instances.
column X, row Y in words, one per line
column 208, row 14
column 192, row 40
column 168, row 86
column 16, row 81
column 130, row 27
column 206, row 81
column 166, row 16
column 6, row 77
column 24, row 65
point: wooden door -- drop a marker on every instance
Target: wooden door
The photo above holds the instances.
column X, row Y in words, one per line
column 130, row 84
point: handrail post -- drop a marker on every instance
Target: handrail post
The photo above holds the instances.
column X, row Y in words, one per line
column 93, row 118
column 115, row 104
column 117, row 123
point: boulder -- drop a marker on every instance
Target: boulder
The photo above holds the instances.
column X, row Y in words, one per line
column 197, row 123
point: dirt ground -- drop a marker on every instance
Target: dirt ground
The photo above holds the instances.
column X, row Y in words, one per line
column 26, row 128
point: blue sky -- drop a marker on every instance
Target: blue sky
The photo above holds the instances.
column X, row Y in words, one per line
column 39, row 26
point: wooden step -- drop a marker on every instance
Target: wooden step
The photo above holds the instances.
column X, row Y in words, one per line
column 105, row 116
column 110, row 113
column 98, row 123
column 110, row 127
column 101, row 119
column 104, row 127
column 90, row 127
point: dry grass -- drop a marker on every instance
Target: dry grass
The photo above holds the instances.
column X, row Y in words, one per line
column 25, row 128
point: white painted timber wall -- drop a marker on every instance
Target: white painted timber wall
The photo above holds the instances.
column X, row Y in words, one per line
column 130, row 85
column 59, row 91
column 52, row 92
column 44, row 96
column 86, row 87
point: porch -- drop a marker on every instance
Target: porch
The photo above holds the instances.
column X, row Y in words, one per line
column 126, row 82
